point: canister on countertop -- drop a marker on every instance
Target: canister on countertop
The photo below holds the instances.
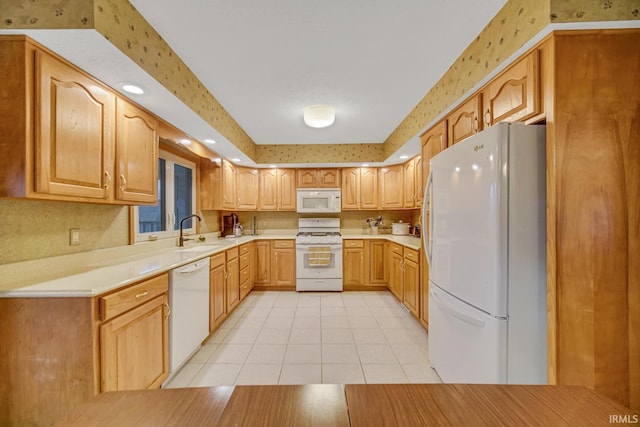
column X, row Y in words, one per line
column 400, row 228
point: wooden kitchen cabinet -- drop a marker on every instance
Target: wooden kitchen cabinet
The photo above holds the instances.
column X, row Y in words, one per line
column 514, row 95
column 376, row 264
column 263, row 262
column 396, row 275
column 136, row 154
column 354, row 271
column 71, row 137
column 359, row 188
column 277, row 190
column 227, row 185
column 432, row 141
column 465, row 120
column 245, row 269
column 409, row 179
column 217, row 291
column 318, row 178
column 284, row 263
column 232, row 277
column 134, row 336
column 411, row 281
column 392, row 187
column 418, row 181
column 247, row 188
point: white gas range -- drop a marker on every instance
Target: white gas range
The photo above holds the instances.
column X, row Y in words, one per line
column 319, row 255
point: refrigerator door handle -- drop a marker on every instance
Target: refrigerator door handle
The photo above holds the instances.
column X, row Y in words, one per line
column 426, row 216
column 464, row 317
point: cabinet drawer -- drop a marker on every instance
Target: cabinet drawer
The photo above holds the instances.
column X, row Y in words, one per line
column 412, row 254
column 395, row 248
column 244, row 260
column 123, row 300
column 244, row 275
column 353, row 243
column 283, row 243
column 244, row 249
column 232, row 253
column 216, row 260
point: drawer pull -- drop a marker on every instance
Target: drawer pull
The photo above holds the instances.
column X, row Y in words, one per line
column 142, row 294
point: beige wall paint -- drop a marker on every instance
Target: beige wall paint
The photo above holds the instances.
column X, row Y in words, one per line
column 38, row 229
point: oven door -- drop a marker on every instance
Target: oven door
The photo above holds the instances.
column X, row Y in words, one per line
column 321, row 260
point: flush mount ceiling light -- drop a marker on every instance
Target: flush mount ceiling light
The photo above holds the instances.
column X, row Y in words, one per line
column 136, row 90
column 319, row 116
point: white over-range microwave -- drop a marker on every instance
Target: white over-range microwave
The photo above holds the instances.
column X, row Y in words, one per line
column 319, row 200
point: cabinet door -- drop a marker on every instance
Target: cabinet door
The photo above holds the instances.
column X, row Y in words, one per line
column 369, row 188
column 263, row 262
column 391, row 187
column 228, row 185
column 328, row 178
column 233, row 284
column 307, row 178
column 268, row 190
column 134, row 348
column 409, row 177
column 396, row 275
column 247, row 181
column 464, row 121
column 136, row 154
column 353, row 263
column 376, row 262
column 350, row 188
column 75, row 122
column 433, row 141
column 515, row 94
column 418, row 181
column 284, row 263
column 286, row 190
column 217, row 297
column 411, row 289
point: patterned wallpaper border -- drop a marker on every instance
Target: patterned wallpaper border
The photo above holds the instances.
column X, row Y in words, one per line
column 515, row 24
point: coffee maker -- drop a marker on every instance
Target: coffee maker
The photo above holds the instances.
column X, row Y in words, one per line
column 229, row 224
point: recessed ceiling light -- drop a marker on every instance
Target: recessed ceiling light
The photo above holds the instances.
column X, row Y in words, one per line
column 235, row 160
column 209, row 141
column 319, row 116
column 136, row 90
column 185, row 142
column 404, row 157
column 273, row 166
column 365, row 165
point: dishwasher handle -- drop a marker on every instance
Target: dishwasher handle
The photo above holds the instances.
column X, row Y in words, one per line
column 193, row 268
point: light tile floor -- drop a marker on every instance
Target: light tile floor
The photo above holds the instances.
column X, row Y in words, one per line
column 311, row 338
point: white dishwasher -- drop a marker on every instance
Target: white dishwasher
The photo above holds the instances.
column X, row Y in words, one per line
column 189, row 319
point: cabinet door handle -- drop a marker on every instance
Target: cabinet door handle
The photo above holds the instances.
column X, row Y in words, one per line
column 475, row 124
column 142, row 294
column 168, row 310
column 487, row 117
column 108, row 183
column 123, row 182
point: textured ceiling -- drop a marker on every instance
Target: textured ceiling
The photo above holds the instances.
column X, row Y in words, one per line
column 372, row 60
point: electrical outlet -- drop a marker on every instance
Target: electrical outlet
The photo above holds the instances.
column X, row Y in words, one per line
column 74, row 236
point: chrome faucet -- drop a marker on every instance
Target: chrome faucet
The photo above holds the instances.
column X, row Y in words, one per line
column 182, row 239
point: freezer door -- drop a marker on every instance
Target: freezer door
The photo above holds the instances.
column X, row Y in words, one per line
column 465, row 344
column 469, row 208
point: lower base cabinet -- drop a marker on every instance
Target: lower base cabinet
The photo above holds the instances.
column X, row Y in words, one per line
column 217, row 291
column 411, row 281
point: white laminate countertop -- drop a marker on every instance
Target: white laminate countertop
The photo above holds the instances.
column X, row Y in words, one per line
column 97, row 272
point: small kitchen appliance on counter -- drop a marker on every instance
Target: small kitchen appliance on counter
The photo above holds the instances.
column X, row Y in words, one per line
column 229, row 225
column 400, row 228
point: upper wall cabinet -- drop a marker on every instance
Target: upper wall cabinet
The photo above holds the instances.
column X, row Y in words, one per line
column 392, row 187
column 318, row 178
column 277, row 190
column 65, row 136
column 246, row 188
column 359, row 188
column 136, row 154
column 464, row 121
column 515, row 94
column 409, row 179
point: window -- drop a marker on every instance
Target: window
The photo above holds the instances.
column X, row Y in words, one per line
column 176, row 200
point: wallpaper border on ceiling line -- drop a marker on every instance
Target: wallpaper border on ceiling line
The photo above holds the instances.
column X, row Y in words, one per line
column 320, row 153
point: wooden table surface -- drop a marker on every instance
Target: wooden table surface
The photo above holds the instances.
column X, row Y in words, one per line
column 355, row 405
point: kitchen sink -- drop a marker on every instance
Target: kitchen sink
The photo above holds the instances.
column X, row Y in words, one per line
column 200, row 248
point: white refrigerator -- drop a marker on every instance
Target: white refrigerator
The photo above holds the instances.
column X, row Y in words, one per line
column 485, row 241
